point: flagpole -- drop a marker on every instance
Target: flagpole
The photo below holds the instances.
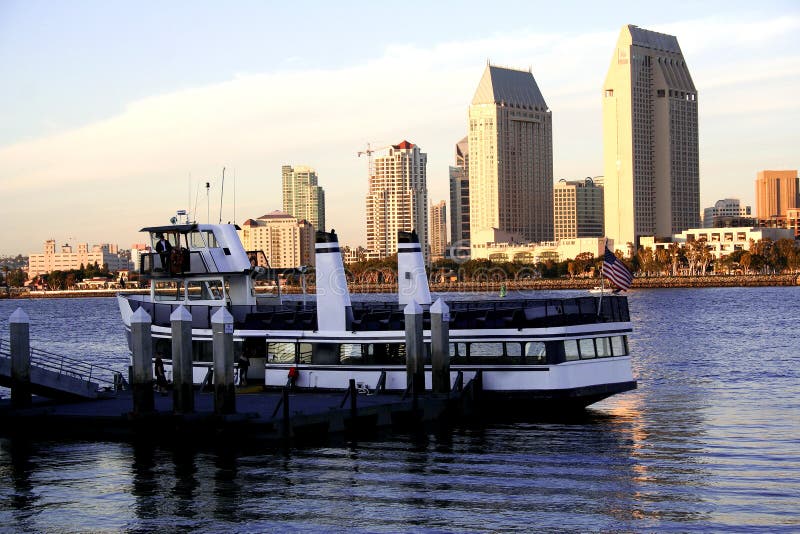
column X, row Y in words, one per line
column 602, row 278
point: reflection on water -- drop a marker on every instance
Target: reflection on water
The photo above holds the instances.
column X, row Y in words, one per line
column 707, row 443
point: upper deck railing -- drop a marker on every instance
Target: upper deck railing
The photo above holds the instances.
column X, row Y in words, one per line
column 507, row 313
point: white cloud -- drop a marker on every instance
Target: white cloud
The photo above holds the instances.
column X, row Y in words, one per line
column 132, row 169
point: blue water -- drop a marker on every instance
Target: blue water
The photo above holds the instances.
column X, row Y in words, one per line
column 709, row 442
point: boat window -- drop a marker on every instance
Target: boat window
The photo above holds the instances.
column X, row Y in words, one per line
column 211, row 239
column 202, row 351
column 587, row 348
column 481, row 350
column 386, row 353
column 487, row 353
column 535, row 352
column 352, row 353
column 603, row 345
column 169, row 290
column 196, row 240
column 280, row 352
column 458, row 350
column 571, row 350
column 619, row 344
column 163, row 346
column 204, row 290
column 305, row 351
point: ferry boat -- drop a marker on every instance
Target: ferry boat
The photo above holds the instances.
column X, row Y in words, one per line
column 566, row 352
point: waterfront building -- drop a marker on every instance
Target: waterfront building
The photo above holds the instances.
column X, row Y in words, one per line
column 67, row 259
column 137, row 251
column 650, row 139
column 505, row 249
column 510, row 156
column 352, row 254
column 776, row 192
column 723, row 210
column 459, row 201
column 438, row 230
column 577, row 209
column 721, row 241
column 285, row 240
column 793, row 220
column 303, row 198
column 397, row 199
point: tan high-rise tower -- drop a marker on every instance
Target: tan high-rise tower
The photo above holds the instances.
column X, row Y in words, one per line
column 776, row 191
column 397, row 199
column 510, row 156
column 438, row 230
column 650, row 139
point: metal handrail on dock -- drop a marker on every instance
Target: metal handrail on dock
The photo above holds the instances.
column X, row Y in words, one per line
column 104, row 377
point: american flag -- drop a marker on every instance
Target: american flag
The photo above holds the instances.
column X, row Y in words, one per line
column 615, row 271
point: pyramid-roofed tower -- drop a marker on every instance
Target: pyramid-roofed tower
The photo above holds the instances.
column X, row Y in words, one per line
column 510, row 158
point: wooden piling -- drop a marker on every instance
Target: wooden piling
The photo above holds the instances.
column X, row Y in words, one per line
column 224, row 387
column 19, row 324
column 415, row 348
column 142, row 377
column 440, row 347
column 182, row 375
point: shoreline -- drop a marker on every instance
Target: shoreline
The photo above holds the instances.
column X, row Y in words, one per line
column 653, row 282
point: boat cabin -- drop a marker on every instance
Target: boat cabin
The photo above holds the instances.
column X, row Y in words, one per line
column 200, row 264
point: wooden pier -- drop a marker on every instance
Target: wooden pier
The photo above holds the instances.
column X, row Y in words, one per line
column 261, row 415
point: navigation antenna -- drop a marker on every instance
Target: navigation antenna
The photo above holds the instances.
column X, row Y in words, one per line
column 208, row 203
column 221, row 194
column 196, row 195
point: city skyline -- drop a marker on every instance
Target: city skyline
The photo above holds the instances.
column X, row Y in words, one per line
column 99, row 141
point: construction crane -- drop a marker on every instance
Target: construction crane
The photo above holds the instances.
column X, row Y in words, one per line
column 369, row 151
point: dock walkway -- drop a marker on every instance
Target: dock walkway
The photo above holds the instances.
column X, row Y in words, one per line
column 259, row 415
column 58, row 377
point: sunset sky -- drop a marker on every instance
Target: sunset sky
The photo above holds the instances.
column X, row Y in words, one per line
column 113, row 114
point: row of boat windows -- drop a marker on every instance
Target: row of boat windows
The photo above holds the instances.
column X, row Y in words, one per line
column 601, row 347
column 196, row 240
column 191, row 290
column 526, row 353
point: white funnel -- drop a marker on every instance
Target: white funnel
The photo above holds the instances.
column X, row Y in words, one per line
column 334, row 311
column 412, row 280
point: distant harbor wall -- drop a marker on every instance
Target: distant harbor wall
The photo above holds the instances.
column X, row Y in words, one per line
column 650, row 282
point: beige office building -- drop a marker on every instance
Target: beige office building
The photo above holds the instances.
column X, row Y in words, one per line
column 397, row 199
column 650, row 139
column 303, row 198
column 438, row 229
column 285, row 240
column 67, row 259
column 510, row 156
column 776, row 192
column 577, row 209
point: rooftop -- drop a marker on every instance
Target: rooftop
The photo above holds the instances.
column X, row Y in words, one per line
column 500, row 85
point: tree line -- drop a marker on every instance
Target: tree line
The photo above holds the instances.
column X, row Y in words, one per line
column 694, row 259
